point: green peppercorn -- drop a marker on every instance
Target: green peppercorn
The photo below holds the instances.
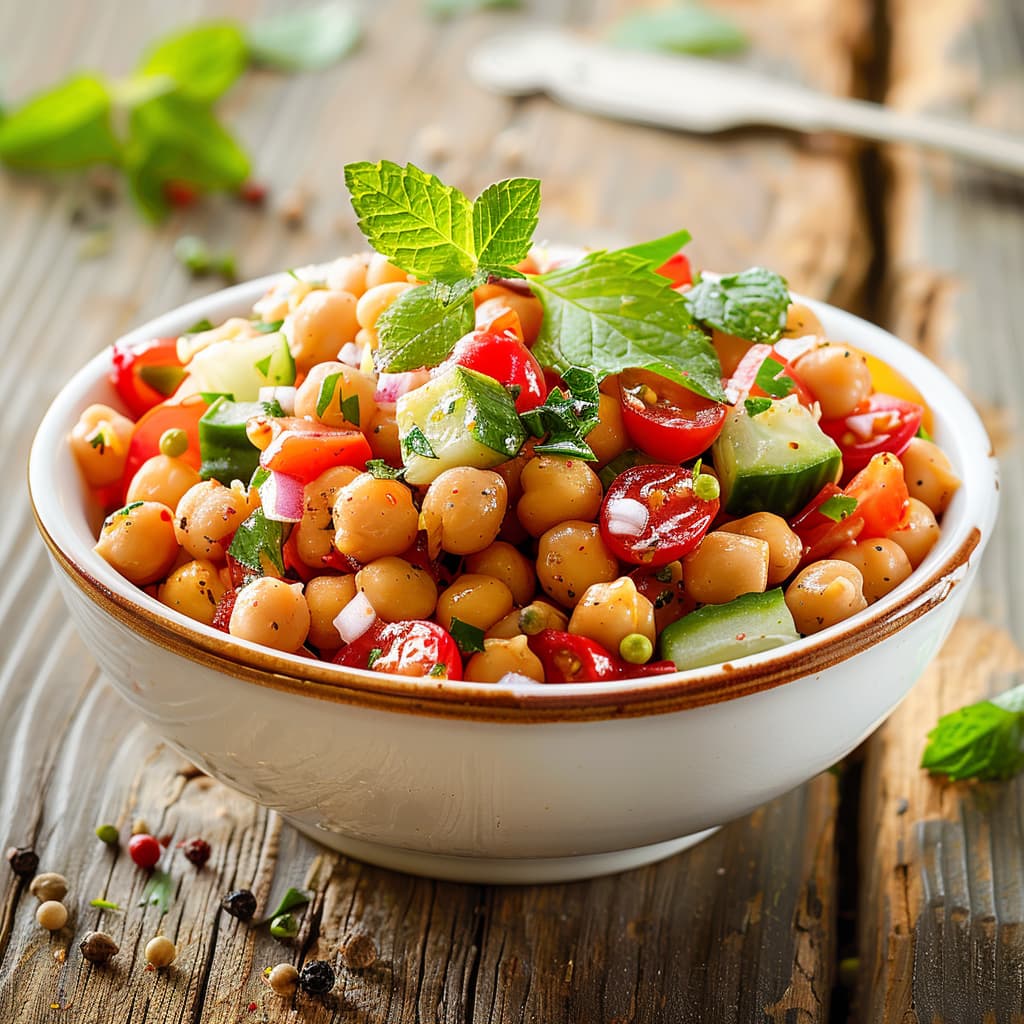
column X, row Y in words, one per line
column 107, row 834
column 284, row 926
column 706, row 487
column 636, row 649
column 174, row 442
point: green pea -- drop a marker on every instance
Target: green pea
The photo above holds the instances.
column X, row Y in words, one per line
column 636, row 649
column 174, row 442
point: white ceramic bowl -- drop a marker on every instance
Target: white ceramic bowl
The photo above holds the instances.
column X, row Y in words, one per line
column 525, row 783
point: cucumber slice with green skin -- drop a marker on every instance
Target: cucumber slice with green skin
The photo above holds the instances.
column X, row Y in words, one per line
column 227, row 453
column 627, row 460
column 243, row 366
column 460, row 418
column 724, row 632
column 775, row 461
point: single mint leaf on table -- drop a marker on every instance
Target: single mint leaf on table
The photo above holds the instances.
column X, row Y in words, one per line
column 65, row 127
column 158, row 891
column 256, row 539
column 685, row 28
column 981, row 741
column 658, row 250
column 566, row 419
column 420, row 328
column 612, row 312
column 308, row 39
column 750, row 305
column 469, row 638
column 504, row 220
column 203, row 61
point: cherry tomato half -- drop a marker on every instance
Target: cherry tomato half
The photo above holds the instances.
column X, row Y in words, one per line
column 666, row 420
column 883, row 423
column 650, row 515
column 502, row 355
column 146, row 375
column 412, row 648
column 145, row 442
column 744, row 381
column 569, row 658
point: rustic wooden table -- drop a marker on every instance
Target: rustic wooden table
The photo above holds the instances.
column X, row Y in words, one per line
column 923, row 882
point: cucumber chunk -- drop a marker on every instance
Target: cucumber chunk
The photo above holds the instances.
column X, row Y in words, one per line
column 774, row 461
column 460, row 418
column 243, row 366
column 723, row 632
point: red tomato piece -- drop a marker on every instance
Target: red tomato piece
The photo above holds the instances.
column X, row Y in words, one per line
column 666, row 420
column 304, row 451
column 569, row 658
column 412, row 648
column 146, row 375
column 743, row 383
column 145, row 442
column 502, row 355
column 222, row 613
column 677, row 269
column 650, row 515
column 819, row 534
column 883, row 424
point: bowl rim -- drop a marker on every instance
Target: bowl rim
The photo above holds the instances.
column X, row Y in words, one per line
column 518, row 699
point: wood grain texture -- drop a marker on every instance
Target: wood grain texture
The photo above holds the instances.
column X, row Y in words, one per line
column 942, row 904
column 739, row 929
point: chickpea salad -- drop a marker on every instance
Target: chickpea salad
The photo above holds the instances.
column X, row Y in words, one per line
column 464, row 456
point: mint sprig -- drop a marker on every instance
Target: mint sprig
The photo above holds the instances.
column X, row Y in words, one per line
column 565, row 419
column 750, row 305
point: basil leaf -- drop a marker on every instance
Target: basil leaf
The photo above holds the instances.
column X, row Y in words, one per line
column 257, row 538
column 504, row 220
column 769, row 381
column 567, row 419
column 686, row 28
column 838, row 507
column 469, row 638
column 305, row 40
column 750, row 305
column 983, row 740
column 68, row 126
column 657, row 251
column 203, row 61
column 420, row 328
column 755, row 406
column 418, row 223
column 612, row 312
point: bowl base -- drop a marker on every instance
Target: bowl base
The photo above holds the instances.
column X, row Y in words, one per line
column 501, row 870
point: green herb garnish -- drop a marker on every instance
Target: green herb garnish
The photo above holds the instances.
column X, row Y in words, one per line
column 768, row 379
column 469, row 638
column 266, row 327
column 380, row 470
column 658, row 250
column 256, row 539
column 838, row 507
column 416, row 443
column 326, row 393
column 438, row 671
column 683, row 28
column 750, row 305
column 983, row 740
column 422, row 326
column 159, row 891
column 374, row 656
column 566, row 419
column 756, row 406
column 199, row 326
column 103, row 904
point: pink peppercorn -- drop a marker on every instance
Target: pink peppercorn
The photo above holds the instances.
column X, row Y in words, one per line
column 144, row 849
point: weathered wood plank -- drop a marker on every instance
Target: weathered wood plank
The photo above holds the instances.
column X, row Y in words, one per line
column 739, row 929
column 942, row 912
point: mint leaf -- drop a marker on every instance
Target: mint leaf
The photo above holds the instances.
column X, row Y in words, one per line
column 418, row 223
column 504, row 220
column 203, row 62
column 256, row 539
column 416, row 443
column 769, row 381
column 422, row 326
column 838, row 507
column 611, row 312
column 67, row 126
column 750, row 305
column 305, row 40
column 983, row 740
column 756, row 406
column 686, row 28
column 567, row 419
column 658, row 250
column 326, row 392
column 469, row 638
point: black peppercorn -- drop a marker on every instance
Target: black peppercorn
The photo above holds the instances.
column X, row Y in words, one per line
column 197, row 851
column 240, row 903
column 23, row 860
column 316, row 978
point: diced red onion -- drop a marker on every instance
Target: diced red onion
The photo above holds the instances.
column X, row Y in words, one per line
column 351, row 354
column 285, row 397
column 627, row 517
column 391, row 386
column 355, row 618
column 791, row 349
column 282, row 497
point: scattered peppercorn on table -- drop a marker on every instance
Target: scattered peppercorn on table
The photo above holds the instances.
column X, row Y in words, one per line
column 139, row 889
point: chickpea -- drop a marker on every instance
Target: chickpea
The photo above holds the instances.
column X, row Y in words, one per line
column 825, row 593
column 99, row 442
column 724, row 566
column 492, row 299
column 52, row 915
column 348, row 274
column 380, row 271
column 271, row 612
column 374, row 518
column 376, row 299
column 784, row 546
column 929, row 474
column 919, row 534
column 139, row 542
column 801, row 321
column 609, row 438
column 506, row 627
column 326, row 596
column 479, row 600
column 397, row 589
column 162, row 478
column 382, row 433
column 571, row 557
column 349, row 383
column 557, row 489
column 882, row 563
column 208, row 512
column 463, row 509
column 609, row 612
column 499, row 657
column 314, row 533
column 837, row 376
column 194, row 590
column 160, row 952
column 508, row 564
column 322, row 323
